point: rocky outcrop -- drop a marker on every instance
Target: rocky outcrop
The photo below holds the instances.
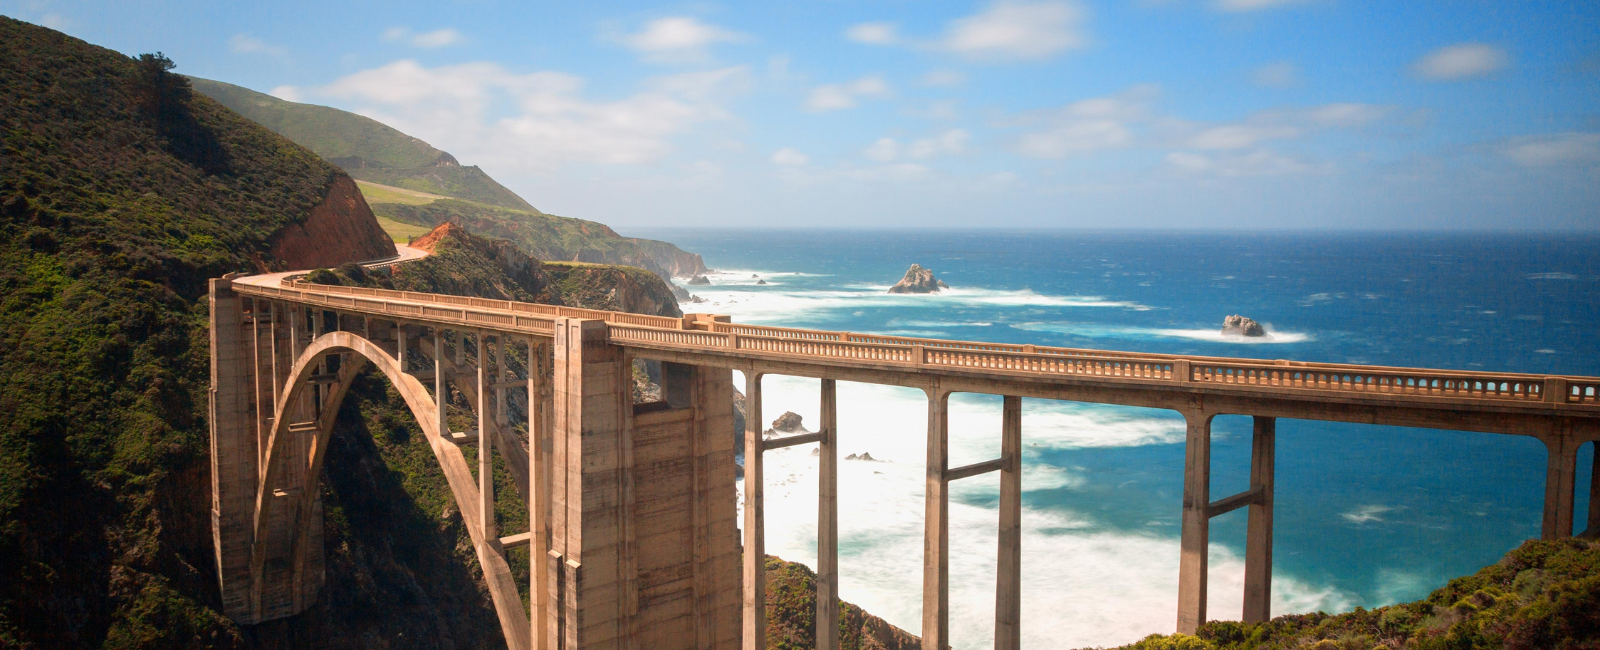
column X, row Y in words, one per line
column 699, row 280
column 613, row 288
column 677, row 262
column 789, row 422
column 1242, row 326
column 339, row 229
column 918, row 280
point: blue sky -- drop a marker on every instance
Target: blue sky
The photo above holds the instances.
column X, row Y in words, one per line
column 905, row 114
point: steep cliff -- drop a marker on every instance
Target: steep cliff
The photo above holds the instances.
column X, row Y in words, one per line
column 339, row 229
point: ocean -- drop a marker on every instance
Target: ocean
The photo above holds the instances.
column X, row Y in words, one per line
column 1365, row 515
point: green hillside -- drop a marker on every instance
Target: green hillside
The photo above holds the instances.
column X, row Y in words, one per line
column 546, row 236
column 364, row 147
column 121, row 193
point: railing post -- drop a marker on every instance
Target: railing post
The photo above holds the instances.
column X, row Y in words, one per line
column 828, row 521
column 1258, row 539
column 1196, row 522
column 755, row 578
column 936, row 526
column 1008, row 567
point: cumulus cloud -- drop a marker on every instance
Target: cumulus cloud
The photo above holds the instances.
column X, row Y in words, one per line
column 286, row 93
column 1017, row 31
column 1554, row 149
column 1282, row 74
column 1461, row 61
column 247, row 44
column 530, row 121
column 833, row 97
column 435, row 38
column 678, row 39
column 873, row 33
column 789, row 157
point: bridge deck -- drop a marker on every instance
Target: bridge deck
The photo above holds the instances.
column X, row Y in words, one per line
column 914, row 362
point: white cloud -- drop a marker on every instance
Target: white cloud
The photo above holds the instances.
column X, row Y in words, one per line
column 679, row 39
column 834, row 97
column 534, row 121
column 873, row 33
column 942, row 78
column 944, row 110
column 1239, row 136
column 1554, row 149
column 789, row 157
column 1345, row 114
column 884, row 150
column 433, row 39
column 286, row 93
column 1017, row 31
column 53, row 21
column 1096, row 124
column 1251, row 5
column 704, row 84
column 1259, row 162
column 951, row 142
column 1282, row 74
column 247, row 44
column 1461, row 61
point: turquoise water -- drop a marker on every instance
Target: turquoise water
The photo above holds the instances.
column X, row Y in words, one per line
column 1365, row 515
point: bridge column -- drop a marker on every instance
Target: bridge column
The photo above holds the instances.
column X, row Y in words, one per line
column 1593, row 522
column 1192, row 562
column 1560, row 478
column 827, row 634
column 936, row 527
column 592, row 389
column 1258, row 538
column 234, row 454
column 1008, row 567
column 755, row 552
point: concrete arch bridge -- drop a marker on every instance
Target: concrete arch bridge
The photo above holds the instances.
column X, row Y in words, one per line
column 631, row 506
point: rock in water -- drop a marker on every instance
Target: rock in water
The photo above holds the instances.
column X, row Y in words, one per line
column 789, row 422
column 761, row 281
column 699, row 279
column 1242, row 326
column 918, row 280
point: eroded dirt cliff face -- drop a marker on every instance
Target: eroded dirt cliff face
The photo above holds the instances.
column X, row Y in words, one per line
column 339, row 229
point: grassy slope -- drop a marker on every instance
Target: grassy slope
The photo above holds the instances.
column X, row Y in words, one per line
column 1545, row 595
column 366, row 148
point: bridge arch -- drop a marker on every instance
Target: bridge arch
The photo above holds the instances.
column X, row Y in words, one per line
column 355, row 352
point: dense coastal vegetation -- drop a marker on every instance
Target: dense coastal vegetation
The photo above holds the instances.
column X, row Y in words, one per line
column 1544, row 595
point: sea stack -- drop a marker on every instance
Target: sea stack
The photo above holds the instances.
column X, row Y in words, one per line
column 789, row 422
column 918, row 280
column 1242, row 326
column 699, row 280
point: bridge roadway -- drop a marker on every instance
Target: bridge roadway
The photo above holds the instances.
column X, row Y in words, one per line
column 1561, row 411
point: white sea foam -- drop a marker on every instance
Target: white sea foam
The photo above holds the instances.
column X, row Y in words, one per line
column 736, row 294
column 1553, row 275
column 1096, row 330
column 1366, row 514
column 1081, row 586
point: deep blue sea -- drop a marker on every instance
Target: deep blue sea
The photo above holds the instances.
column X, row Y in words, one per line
column 1365, row 515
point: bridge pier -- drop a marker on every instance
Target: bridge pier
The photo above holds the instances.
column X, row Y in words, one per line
column 1561, row 469
column 1199, row 509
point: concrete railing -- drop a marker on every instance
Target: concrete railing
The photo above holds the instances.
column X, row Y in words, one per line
column 1022, row 361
